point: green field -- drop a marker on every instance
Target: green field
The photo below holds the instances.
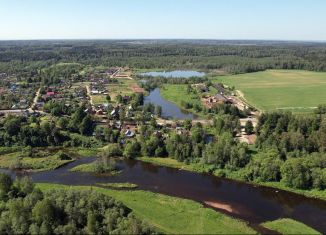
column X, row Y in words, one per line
column 171, row 215
column 289, row 226
column 298, row 91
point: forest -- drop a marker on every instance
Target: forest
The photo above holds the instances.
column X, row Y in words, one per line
column 28, row 58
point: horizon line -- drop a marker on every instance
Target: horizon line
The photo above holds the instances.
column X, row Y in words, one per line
column 152, row 39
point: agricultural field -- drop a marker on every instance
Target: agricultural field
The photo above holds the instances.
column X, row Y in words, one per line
column 297, row 91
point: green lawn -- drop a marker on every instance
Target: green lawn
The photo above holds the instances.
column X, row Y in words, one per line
column 298, row 91
column 289, row 226
column 171, row 215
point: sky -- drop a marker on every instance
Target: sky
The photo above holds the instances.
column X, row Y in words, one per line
column 163, row 19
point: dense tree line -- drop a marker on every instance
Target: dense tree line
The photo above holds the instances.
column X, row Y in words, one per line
column 25, row 209
column 292, row 149
column 29, row 59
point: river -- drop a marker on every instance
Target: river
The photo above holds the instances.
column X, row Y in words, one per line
column 251, row 203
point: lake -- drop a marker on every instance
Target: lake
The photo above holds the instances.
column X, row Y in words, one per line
column 175, row 74
column 255, row 204
column 169, row 109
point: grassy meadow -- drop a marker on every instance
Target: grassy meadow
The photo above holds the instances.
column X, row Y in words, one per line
column 297, row 91
column 289, row 226
column 171, row 215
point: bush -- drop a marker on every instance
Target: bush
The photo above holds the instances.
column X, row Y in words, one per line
column 64, row 156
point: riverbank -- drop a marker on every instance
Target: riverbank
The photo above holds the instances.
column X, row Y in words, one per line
column 289, row 226
column 199, row 168
column 41, row 159
column 95, row 168
column 170, row 215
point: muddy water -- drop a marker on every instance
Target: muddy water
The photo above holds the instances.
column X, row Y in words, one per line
column 248, row 202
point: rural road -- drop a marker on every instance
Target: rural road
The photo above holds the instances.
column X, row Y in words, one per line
column 88, row 89
column 35, row 100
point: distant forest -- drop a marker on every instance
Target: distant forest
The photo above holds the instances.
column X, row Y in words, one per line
column 28, row 57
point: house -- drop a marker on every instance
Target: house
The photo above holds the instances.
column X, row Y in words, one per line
column 95, row 92
column 114, row 112
column 211, row 101
column 50, row 94
column 129, row 133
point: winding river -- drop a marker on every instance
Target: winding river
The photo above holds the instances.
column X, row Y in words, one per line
column 251, row 203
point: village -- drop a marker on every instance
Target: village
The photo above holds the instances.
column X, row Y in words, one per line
column 15, row 94
column 107, row 93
